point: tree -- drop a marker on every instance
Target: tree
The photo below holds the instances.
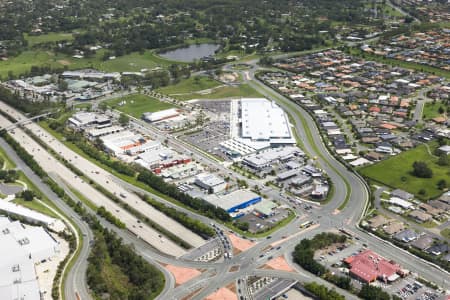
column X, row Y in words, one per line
column 442, row 141
column 28, row 195
column 322, row 292
column 124, row 119
column 242, row 225
column 442, row 184
column 62, row 85
column 102, row 106
column 369, row 292
column 266, row 61
column 421, row 170
column 443, row 160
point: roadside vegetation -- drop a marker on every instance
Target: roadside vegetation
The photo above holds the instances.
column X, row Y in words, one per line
column 322, row 292
column 115, row 269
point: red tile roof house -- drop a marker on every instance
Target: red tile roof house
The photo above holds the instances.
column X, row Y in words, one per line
column 368, row 266
column 374, row 109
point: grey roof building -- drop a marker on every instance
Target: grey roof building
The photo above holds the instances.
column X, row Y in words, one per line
column 423, row 242
column 402, row 194
column 406, row 236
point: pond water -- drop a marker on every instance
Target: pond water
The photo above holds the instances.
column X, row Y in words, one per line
column 191, row 53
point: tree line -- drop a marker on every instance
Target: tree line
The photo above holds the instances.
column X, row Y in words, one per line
column 304, row 256
column 181, row 217
column 23, row 104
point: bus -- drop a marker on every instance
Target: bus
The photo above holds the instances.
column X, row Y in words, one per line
column 306, row 224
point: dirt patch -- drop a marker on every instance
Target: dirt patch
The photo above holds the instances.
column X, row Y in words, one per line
column 229, row 77
column 279, row 263
column 232, row 287
column 222, row 294
column 64, row 62
column 240, row 244
column 234, row 268
column 181, row 274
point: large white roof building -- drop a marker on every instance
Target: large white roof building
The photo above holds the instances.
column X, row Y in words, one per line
column 88, row 119
column 128, row 142
column 263, row 120
column 31, row 215
column 160, row 115
column 256, row 124
column 22, row 247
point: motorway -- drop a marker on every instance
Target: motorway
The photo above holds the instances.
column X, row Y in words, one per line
column 217, row 274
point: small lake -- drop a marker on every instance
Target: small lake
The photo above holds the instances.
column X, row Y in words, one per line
column 191, row 53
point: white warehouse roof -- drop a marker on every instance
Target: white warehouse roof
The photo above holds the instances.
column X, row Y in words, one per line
column 160, row 115
column 35, row 216
column 263, row 120
column 400, row 202
column 22, row 247
column 232, row 199
column 209, row 179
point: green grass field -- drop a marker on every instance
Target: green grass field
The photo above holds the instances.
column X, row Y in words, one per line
column 36, row 206
column 83, row 106
column 190, row 85
column 9, row 164
column 446, row 233
column 243, row 90
column 135, row 105
column 431, row 110
column 46, row 38
column 396, row 172
column 132, row 62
